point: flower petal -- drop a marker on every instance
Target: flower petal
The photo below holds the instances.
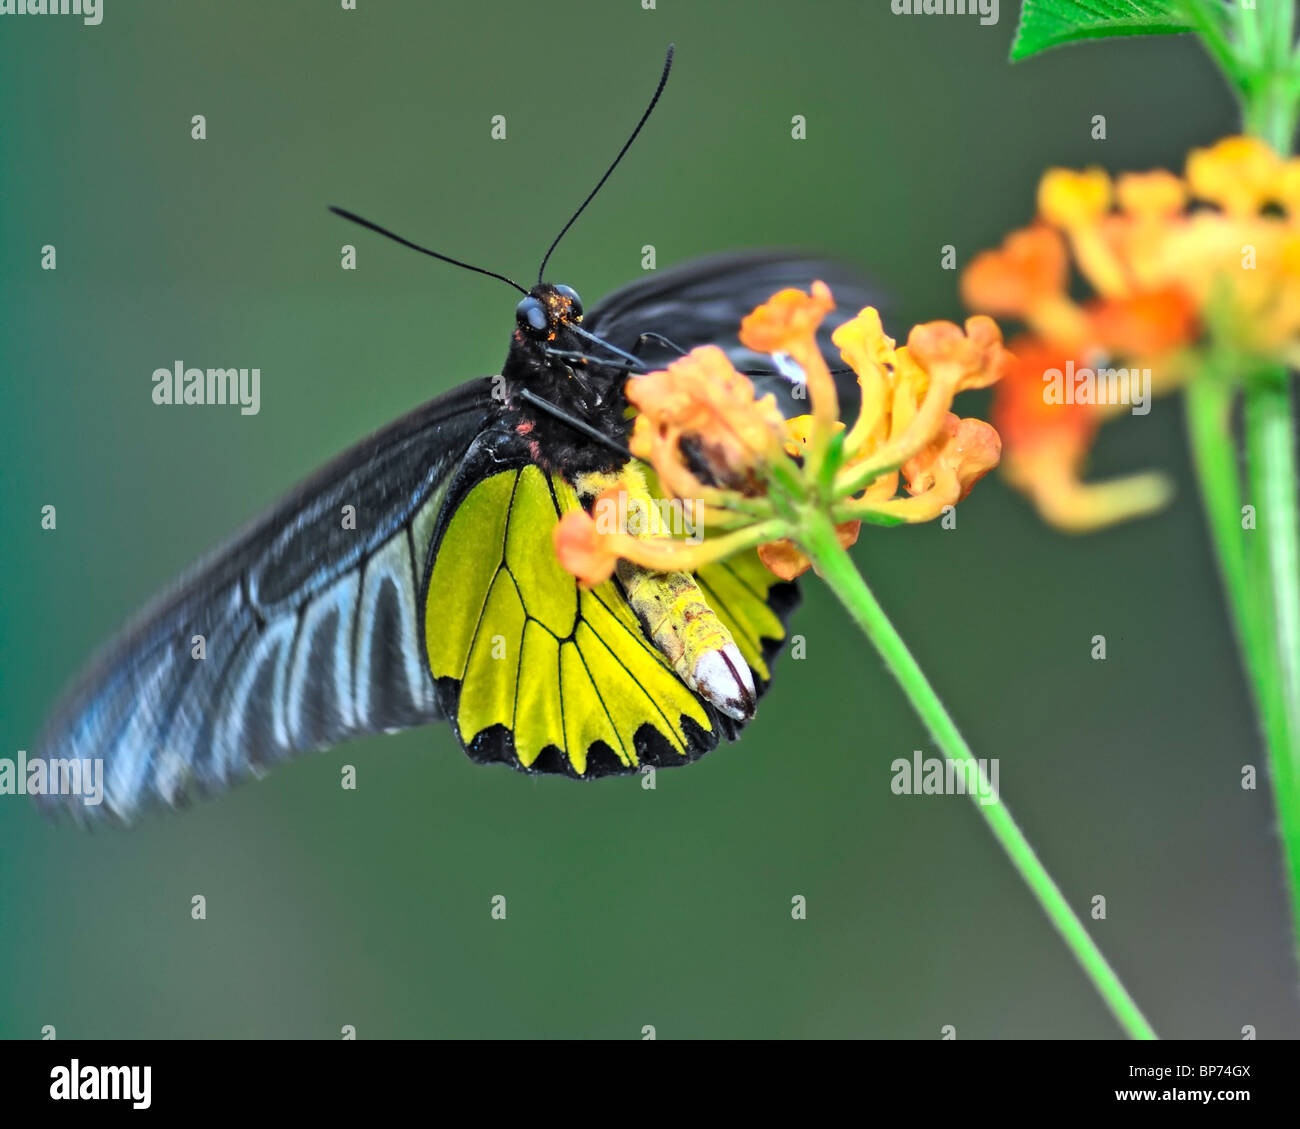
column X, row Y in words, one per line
column 1031, row 267
column 786, row 320
column 1240, row 174
column 584, row 552
column 786, row 560
column 1069, row 199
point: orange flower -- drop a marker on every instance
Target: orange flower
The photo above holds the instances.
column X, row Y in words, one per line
column 789, row 320
column 1046, row 446
column 702, row 398
column 904, row 421
column 1025, row 419
column 787, row 561
column 974, row 359
column 1031, row 268
column 1143, row 325
column 582, row 551
column 788, row 323
column 963, row 452
column 766, row 471
column 1162, row 277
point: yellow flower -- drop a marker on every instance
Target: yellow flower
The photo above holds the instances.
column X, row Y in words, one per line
column 1240, row 174
column 1079, row 203
column 905, row 426
column 1070, row 199
column 699, row 419
column 1151, row 196
column 1164, row 278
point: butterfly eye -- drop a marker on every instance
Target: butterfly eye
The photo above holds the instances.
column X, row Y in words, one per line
column 530, row 315
column 575, row 303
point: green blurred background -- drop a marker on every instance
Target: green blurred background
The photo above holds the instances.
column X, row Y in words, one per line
column 626, row 907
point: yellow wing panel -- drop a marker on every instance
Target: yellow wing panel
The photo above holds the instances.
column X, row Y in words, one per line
column 539, row 716
column 525, row 661
column 463, row 573
column 548, row 592
column 491, row 675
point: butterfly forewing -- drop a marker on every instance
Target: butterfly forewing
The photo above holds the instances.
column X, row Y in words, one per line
column 703, row 301
column 300, row 632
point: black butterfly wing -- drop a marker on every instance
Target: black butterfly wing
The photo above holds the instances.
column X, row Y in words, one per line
column 702, row 302
column 302, row 630
column 305, row 629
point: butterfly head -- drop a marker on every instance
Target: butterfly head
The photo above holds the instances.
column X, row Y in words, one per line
column 544, row 313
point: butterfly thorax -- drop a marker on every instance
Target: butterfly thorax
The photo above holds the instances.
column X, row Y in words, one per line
column 543, row 360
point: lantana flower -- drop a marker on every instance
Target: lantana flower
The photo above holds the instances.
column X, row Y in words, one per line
column 1171, row 282
column 754, row 476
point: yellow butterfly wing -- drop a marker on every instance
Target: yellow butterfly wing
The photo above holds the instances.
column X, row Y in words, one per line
column 536, row 673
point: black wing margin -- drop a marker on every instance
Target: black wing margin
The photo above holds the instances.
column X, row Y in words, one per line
column 308, row 620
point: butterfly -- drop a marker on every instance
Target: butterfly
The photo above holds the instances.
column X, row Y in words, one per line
column 414, row 578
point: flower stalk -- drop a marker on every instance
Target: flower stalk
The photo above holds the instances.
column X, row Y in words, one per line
column 798, row 490
column 1260, row 567
column 1251, row 605
column 833, row 564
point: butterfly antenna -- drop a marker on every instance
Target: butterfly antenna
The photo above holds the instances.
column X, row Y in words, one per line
column 423, row 250
column 663, row 79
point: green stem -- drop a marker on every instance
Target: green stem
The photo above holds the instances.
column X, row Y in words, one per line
column 1270, row 111
column 1270, row 449
column 1263, row 576
column 1208, row 18
column 1247, row 25
column 1268, row 91
column 1249, row 592
column 1214, row 455
column 835, row 566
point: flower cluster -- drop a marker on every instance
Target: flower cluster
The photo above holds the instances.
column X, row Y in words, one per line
column 753, row 475
column 1180, row 268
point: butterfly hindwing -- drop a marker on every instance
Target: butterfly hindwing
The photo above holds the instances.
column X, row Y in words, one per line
column 539, row 674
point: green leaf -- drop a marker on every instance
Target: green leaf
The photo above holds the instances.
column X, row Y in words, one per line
column 1050, row 23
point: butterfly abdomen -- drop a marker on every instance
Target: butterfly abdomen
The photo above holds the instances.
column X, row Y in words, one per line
column 690, row 636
